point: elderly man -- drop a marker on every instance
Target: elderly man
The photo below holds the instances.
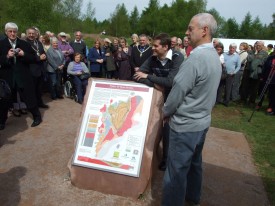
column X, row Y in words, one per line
column 16, row 56
column 232, row 64
column 67, row 51
column 189, row 107
column 159, row 70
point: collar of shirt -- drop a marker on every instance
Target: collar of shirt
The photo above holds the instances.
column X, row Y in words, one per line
column 232, row 54
column 168, row 56
column 79, row 42
column 13, row 43
column 202, row 46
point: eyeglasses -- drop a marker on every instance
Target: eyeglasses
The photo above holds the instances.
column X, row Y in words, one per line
column 12, row 31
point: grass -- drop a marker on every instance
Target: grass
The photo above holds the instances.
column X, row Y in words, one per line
column 259, row 132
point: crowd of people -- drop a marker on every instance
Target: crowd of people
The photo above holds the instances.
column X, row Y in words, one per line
column 247, row 74
column 50, row 59
column 193, row 73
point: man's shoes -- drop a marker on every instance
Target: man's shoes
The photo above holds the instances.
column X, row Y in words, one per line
column 44, row 106
column 24, row 111
column 191, row 204
column 60, row 97
column 162, row 166
column 2, row 126
column 16, row 113
column 36, row 122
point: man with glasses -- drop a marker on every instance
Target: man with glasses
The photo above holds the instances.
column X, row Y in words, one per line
column 16, row 56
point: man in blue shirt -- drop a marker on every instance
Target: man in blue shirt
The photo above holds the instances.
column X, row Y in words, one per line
column 232, row 63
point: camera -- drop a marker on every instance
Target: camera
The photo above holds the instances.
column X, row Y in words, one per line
column 16, row 51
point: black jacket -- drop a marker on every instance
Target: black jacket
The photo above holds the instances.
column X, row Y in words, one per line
column 18, row 74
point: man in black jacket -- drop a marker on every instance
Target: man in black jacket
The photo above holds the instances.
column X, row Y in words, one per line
column 141, row 52
column 16, row 56
column 37, row 68
column 159, row 71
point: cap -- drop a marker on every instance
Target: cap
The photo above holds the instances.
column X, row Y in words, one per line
column 107, row 40
column 62, row 34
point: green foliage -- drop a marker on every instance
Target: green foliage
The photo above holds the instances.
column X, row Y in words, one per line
column 119, row 22
column 133, row 19
column 231, row 29
column 65, row 15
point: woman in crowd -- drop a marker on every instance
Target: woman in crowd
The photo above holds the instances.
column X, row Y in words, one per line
column 46, row 42
column 219, row 48
column 80, row 73
column 135, row 40
column 239, row 75
column 110, row 63
column 96, row 57
column 244, row 48
column 56, row 62
column 123, row 60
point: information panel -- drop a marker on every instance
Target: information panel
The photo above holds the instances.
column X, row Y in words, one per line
column 113, row 127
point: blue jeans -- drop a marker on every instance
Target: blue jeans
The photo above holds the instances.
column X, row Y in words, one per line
column 80, row 86
column 183, row 176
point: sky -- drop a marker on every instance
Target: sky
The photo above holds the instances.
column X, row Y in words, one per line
column 226, row 8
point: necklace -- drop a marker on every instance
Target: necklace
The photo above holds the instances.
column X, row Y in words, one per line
column 35, row 47
column 142, row 51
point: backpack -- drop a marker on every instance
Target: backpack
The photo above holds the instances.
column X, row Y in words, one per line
column 5, row 91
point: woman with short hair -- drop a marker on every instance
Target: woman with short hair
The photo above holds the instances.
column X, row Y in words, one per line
column 80, row 74
column 56, row 62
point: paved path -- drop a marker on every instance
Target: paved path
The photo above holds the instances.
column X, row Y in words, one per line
column 33, row 166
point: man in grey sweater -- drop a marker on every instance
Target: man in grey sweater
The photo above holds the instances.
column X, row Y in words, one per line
column 188, row 108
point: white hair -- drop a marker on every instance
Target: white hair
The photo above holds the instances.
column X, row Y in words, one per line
column 206, row 19
column 233, row 45
column 11, row 25
column 54, row 39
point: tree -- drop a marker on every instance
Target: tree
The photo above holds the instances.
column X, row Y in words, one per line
column 90, row 12
column 220, row 22
column 149, row 18
column 88, row 22
column 231, row 29
column 134, row 19
column 120, row 25
column 246, row 26
column 256, row 31
column 31, row 13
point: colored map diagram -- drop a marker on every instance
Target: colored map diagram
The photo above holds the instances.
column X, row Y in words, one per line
column 113, row 128
column 117, row 119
